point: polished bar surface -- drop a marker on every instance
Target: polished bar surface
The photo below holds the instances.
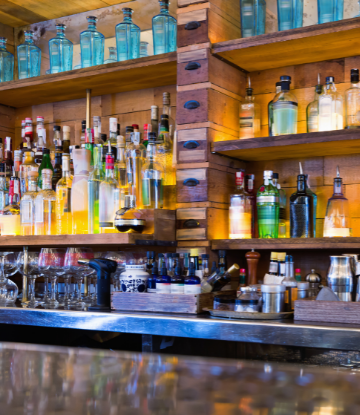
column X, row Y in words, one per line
column 285, row 333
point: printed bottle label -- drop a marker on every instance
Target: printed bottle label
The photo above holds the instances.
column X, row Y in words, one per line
column 192, row 289
column 151, row 290
column 26, row 206
column 163, row 288
column 177, row 288
column 267, row 199
column 273, row 267
column 282, row 268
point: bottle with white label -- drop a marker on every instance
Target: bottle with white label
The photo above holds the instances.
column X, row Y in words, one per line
column 331, row 111
column 163, row 282
column 192, row 282
column 27, row 205
column 177, row 281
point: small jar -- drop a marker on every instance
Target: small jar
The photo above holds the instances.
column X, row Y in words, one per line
column 224, row 302
column 303, row 290
column 248, row 301
column 273, row 298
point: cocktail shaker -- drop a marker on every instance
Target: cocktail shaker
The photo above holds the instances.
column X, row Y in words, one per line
column 355, row 266
column 340, row 277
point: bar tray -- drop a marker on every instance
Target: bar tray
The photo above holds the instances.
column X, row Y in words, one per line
column 249, row 316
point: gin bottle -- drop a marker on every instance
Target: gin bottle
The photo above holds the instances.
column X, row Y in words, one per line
column 330, row 10
column 249, row 115
column 144, row 49
column 352, row 101
column 268, row 208
column 290, row 14
column 112, row 55
column 61, row 51
column 29, row 57
column 240, row 211
column 282, row 206
column 127, row 37
column 92, row 45
column 271, row 110
column 6, row 62
column 164, row 30
column 337, row 219
column 285, row 107
column 253, row 15
column 312, row 110
column 301, row 211
column 331, row 107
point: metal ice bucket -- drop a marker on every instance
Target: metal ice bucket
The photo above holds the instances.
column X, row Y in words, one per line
column 340, row 277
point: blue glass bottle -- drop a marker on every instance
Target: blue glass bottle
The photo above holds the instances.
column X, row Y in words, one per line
column 61, row 51
column 127, row 37
column 192, row 282
column 151, row 284
column 6, row 62
column 29, row 57
column 177, row 281
column 164, row 29
column 253, row 15
column 290, row 14
column 112, row 55
column 144, row 49
column 330, row 10
column 163, row 282
column 92, row 45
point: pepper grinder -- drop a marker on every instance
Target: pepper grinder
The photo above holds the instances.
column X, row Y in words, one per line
column 252, row 259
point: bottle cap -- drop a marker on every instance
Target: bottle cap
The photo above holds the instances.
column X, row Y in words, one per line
column 129, row 129
column 46, row 151
column 120, row 141
column 66, row 129
column 164, row 117
column 275, row 175
column 57, row 128
column 135, row 126
column 285, row 78
column 37, row 119
column 278, row 84
column 92, row 18
column 281, row 256
column 127, row 10
column 330, row 79
column 233, row 270
column 298, row 270
column 354, row 75
column 268, row 174
column 152, row 137
column 96, row 118
column 242, row 271
column 222, row 253
column 150, row 254
column 273, row 256
column 205, row 256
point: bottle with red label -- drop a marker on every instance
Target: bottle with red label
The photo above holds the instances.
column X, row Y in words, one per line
column 28, row 131
column 8, row 160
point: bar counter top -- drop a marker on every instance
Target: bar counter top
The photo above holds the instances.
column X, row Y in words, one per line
column 46, row 380
column 203, row 326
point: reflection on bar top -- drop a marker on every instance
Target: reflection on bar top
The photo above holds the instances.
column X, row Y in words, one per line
column 40, row 380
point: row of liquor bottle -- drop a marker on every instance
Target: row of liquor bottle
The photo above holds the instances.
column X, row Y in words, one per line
column 289, row 14
column 41, row 198
column 329, row 111
column 263, row 214
column 92, row 45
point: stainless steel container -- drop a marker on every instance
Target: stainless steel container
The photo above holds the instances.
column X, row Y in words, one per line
column 314, row 280
column 273, row 298
column 340, row 277
column 303, row 290
column 354, row 262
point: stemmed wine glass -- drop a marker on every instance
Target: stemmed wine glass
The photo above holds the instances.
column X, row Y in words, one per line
column 8, row 289
column 32, row 273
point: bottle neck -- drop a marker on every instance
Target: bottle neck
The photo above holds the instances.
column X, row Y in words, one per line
column 338, row 187
column 60, row 33
column 151, row 151
column 109, row 172
column 46, row 185
column 164, row 8
column 127, row 18
column 120, row 154
column 301, row 184
column 2, row 45
column 166, row 109
column 92, row 26
column 29, row 39
column 33, row 185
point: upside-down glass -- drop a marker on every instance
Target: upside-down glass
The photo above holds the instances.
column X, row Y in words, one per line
column 32, row 273
column 120, row 258
column 8, row 289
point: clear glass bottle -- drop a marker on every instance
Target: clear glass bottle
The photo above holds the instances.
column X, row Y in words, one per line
column 285, row 107
column 164, row 149
column 290, row 14
column 95, row 178
column 63, row 199
column 45, row 164
column 144, row 49
column 120, row 170
column 164, row 29
column 61, row 51
column 312, row 110
column 282, row 207
column 45, row 201
column 331, row 107
column 152, row 177
column 253, row 16
column 4, row 188
column 240, row 211
column 352, row 101
column 135, row 159
column 92, row 45
column 112, row 55
column 27, row 166
column 66, row 139
column 113, row 130
column 27, row 205
column 29, row 57
column 219, row 278
column 267, row 203
column 166, row 110
column 271, row 109
column 330, row 10
column 337, row 220
column 129, row 219
column 10, row 217
column 109, row 197
column 249, row 188
column 249, row 115
column 301, row 211
column 127, row 37
column 314, row 202
column 290, row 283
column 6, row 62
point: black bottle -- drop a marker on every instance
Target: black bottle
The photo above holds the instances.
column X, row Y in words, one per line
column 151, row 283
column 301, row 211
column 222, row 260
column 150, row 259
column 177, row 281
column 57, row 169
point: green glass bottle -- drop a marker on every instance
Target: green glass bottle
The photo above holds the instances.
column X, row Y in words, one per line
column 285, row 110
column 268, row 208
column 45, row 164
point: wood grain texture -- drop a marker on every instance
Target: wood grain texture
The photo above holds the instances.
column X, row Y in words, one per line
column 189, row 77
column 190, row 37
column 191, row 234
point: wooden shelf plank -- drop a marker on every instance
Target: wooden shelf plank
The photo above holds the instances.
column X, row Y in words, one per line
column 293, row 47
column 287, row 243
column 132, row 75
column 291, row 146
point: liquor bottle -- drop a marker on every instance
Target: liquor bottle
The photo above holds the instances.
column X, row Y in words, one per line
column 222, row 260
column 312, row 110
column 109, row 197
column 58, row 172
column 29, row 57
column 66, row 139
column 177, row 281
column 330, row 107
column 89, row 145
column 242, row 280
column 152, row 178
column 281, row 256
column 166, row 110
column 17, row 161
column 10, row 217
column 113, row 130
column 352, row 101
column 45, row 201
column 135, row 158
column 240, row 211
column 120, row 169
column 253, row 15
column 92, row 45
column 40, row 146
column 151, row 283
column 154, row 116
column 249, row 188
column 40, row 129
column 290, row 284
column 127, row 37
column 337, row 219
column 7, row 59
column 267, row 202
column 63, row 199
column 285, row 107
column 314, row 202
column 282, row 207
column 4, row 188
column 144, row 49
column 219, row 279
column 61, row 51
column 192, row 284
column 79, row 191
column 150, row 260
column 129, row 219
column 27, row 205
column 112, row 55
column 27, row 166
column 290, row 14
column 96, row 128
column 95, row 178
column 164, row 29
column 83, row 132
column 301, row 211
column 249, row 115
column 163, row 282
column 271, row 110
column 274, row 265
column 164, row 149
column 45, row 164
column 205, row 265
column 8, row 160
column 330, row 10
